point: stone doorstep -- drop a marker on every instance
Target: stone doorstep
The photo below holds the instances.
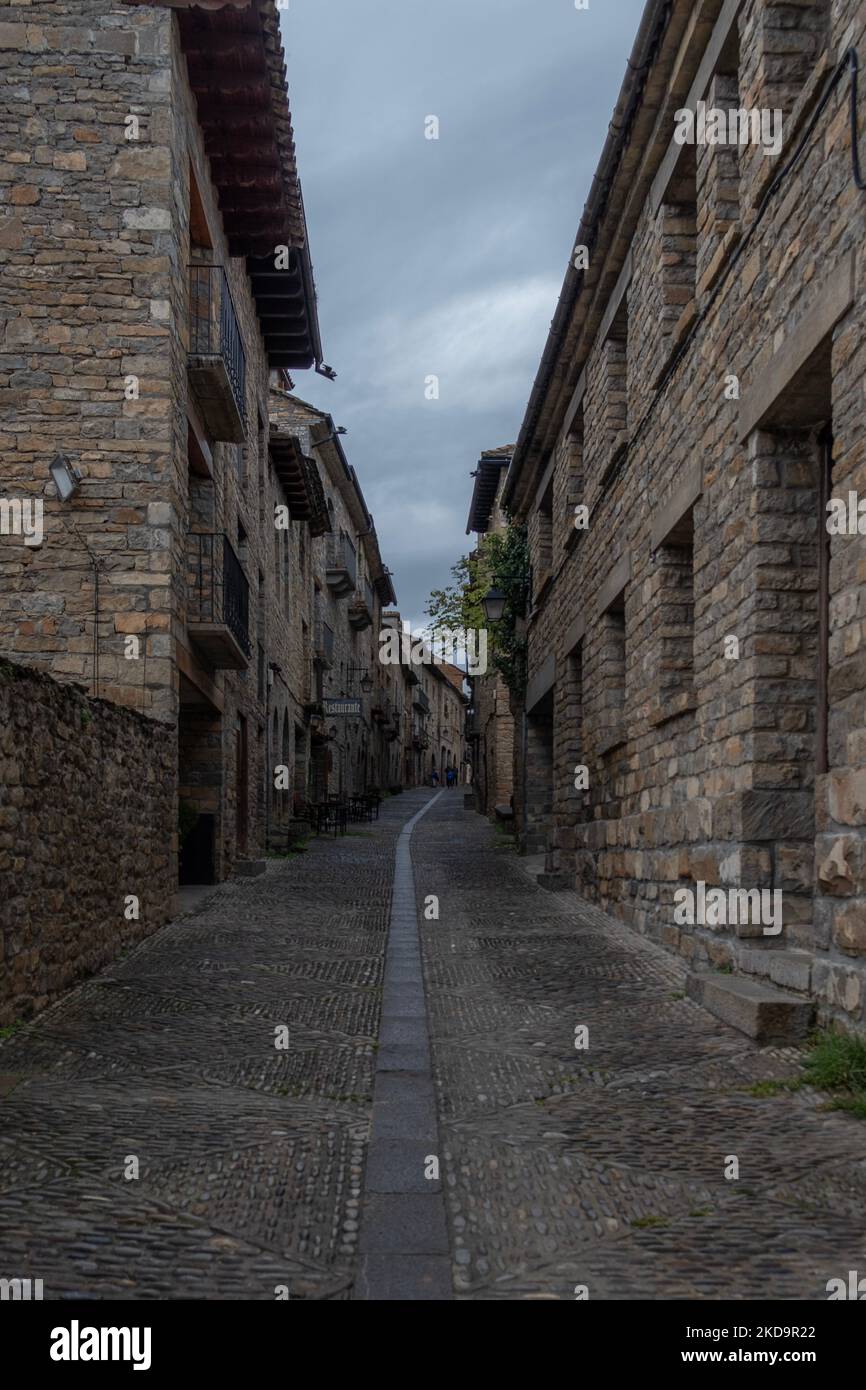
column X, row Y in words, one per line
column 791, row 969
column 759, row 1011
column 250, row 868
column 556, row 882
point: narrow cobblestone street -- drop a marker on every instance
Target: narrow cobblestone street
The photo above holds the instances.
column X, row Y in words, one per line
column 603, row 1167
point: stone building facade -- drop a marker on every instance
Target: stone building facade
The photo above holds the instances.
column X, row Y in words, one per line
column 697, row 637
column 434, row 704
column 491, row 718
column 448, row 704
column 156, row 284
column 351, row 746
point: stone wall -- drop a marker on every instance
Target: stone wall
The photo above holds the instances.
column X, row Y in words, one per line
column 85, row 304
column 706, row 525
column 87, row 822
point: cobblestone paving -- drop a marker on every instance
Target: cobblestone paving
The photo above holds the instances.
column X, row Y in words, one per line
column 560, row 1168
column 251, row 1159
column 605, row 1167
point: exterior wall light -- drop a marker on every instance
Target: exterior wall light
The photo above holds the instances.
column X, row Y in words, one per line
column 65, row 477
column 493, row 604
column 367, row 684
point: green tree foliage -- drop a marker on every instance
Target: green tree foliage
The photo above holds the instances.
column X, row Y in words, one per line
column 501, row 561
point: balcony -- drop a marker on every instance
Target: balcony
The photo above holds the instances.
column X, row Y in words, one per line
column 421, row 701
column 217, row 364
column 359, row 614
column 218, row 602
column 341, row 575
column 323, row 652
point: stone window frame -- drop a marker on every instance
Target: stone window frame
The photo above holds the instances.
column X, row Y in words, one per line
column 575, row 675
column 792, row 386
column 797, row 86
column 613, row 622
column 673, row 529
column 613, row 343
column 721, row 58
column 572, row 444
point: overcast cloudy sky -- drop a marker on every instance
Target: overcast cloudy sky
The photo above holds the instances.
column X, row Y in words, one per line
column 442, row 257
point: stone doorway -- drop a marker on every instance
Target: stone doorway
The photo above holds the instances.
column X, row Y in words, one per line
column 200, row 781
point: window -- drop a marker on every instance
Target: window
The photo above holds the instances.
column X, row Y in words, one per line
column 717, row 175
column 676, row 234
column 790, row 40
column 779, row 54
column 612, row 636
column 572, row 725
column 575, row 484
column 675, row 599
column 542, row 540
column 608, row 678
column 614, row 388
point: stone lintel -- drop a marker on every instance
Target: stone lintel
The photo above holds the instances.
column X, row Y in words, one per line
column 667, row 517
column 546, row 478
column 772, row 378
column 616, row 298
column 543, row 681
column 615, row 583
column 574, row 634
column 704, row 75
column 575, row 405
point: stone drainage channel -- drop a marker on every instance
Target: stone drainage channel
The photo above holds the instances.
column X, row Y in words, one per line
column 404, row 1240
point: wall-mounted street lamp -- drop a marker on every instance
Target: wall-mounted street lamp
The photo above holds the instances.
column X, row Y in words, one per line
column 493, row 604
column 65, row 477
column 365, row 680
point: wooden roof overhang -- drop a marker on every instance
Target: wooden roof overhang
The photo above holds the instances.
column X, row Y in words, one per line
column 487, row 480
column 384, row 586
column 300, row 481
column 237, row 71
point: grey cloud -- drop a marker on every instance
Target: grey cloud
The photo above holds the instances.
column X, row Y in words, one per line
column 442, row 256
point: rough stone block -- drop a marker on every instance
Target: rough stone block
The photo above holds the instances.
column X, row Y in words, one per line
column 762, row 1013
column 251, row 868
column 788, row 969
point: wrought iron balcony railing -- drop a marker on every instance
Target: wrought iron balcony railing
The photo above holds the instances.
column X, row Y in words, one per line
column 342, row 571
column 218, row 601
column 421, row 700
column 217, row 361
